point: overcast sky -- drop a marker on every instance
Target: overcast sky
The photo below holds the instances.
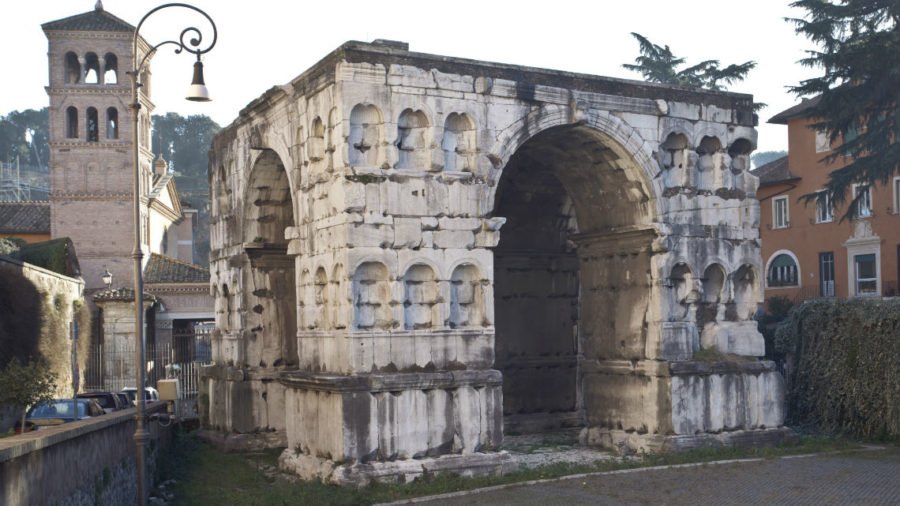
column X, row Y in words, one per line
column 264, row 43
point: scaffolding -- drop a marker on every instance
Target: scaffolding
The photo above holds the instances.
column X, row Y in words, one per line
column 23, row 183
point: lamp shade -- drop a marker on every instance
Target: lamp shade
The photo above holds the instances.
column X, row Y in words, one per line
column 197, row 91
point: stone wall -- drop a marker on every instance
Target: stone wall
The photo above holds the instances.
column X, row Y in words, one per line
column 80, row 463
column 59, row 299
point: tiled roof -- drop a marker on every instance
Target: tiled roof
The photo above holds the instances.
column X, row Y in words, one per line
column 775, row 171
column 163, row 269
column 95, row 20
column 24, row 217
column 792, row 112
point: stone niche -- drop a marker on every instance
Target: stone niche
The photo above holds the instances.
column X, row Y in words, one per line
column 464, row 248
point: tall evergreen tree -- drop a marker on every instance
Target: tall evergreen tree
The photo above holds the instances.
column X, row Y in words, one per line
column 659, row 65
column 859, row 91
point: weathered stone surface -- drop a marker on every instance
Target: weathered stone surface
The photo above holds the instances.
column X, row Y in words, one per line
column 577, row 236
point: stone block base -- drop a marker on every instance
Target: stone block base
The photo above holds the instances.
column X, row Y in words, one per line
column 243, row 442
column 631, row 442
column 400, row 471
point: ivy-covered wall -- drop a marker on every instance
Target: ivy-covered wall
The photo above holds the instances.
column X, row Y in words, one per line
column 36, row 306
column 845, row 365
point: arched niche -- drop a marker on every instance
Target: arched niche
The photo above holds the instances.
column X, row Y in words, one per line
column 709, row 164
column 413, row 140
column 269, row 276
column 682, row 291
column 713, row 284
column 466, row 297
column 459, row 143
column 677, row 160
column 371, row 293
column 420, row 298
column 366, row 138
column 315, row 148
column 746, row 292
column 221, row 192
column 739, row 151
column 337, row 299
column 320, row 296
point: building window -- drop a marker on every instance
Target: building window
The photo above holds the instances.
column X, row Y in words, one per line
column 866, row 274
column 112, row 123
column 823, row 144
column 824, row 211
column 782, row 271
column 91, row 69
column 92, row 127
column 72, row 122
column 826, row 274
column 72, row 69
column 110, row 70
column 896, row 195
column 780, row 212
column 864, row 204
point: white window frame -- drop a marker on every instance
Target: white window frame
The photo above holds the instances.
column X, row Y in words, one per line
column 896, row 195
column 775, row 255
column 775, row 221
column 859, row 280
column 860, row 211
column 823, row 143
column 829, row 216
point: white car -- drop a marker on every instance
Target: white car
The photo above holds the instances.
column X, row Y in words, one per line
column 150, row 394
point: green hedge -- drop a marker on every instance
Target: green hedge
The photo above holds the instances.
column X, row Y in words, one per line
column 845, row 357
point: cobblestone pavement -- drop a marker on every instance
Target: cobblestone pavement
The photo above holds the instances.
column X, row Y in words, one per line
column 862, row 477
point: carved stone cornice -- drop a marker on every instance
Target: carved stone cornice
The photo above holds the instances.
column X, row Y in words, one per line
column 89, row 145
column 88, row 89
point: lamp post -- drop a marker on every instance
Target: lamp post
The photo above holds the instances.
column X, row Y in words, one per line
column 197, row 92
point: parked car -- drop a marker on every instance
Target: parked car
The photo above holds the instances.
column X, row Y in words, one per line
column 109, row 401
column 60, row 411
column 150, row 394
column 123, row 399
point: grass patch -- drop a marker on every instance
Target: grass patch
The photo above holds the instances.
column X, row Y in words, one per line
column 208, row 476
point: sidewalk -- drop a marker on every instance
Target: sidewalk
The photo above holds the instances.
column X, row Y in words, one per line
column 858, row 477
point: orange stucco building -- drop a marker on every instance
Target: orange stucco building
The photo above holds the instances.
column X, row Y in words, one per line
column 807, row 250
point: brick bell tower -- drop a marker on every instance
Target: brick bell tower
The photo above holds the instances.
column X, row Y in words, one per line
column 90, row 141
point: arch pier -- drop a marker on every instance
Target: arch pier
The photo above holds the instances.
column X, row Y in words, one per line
column 412, row 254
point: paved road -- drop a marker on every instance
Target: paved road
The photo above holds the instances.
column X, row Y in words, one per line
column 867, row 477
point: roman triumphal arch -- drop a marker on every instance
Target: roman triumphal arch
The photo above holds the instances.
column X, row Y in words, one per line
column 413, row 253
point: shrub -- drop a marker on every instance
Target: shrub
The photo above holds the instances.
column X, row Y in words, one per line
column 844, row 355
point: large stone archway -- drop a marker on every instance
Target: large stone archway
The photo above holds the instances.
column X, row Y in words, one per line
column 475, row 241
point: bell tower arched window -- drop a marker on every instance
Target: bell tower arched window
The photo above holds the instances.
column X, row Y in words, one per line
column 112, row 123
column 110, row 69
column 92, row 127
column 91, row 69
column 72, row 68
column 72, row 122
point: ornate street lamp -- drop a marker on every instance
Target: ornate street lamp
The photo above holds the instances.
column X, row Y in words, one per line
column 107, row 279
column 196, row 92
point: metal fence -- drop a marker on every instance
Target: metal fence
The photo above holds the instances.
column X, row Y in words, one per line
column 111, row 368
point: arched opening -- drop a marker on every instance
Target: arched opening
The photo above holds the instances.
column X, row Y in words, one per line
column 413, row 142
column 420, row 298
column 110, row 69
column 572, row 275
column 270, row 279
column 93, row 129
column 71, row 122
column 72, row 68
column 91, row 69
column 366, row 136
column 112, row 123
column 458, row 143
